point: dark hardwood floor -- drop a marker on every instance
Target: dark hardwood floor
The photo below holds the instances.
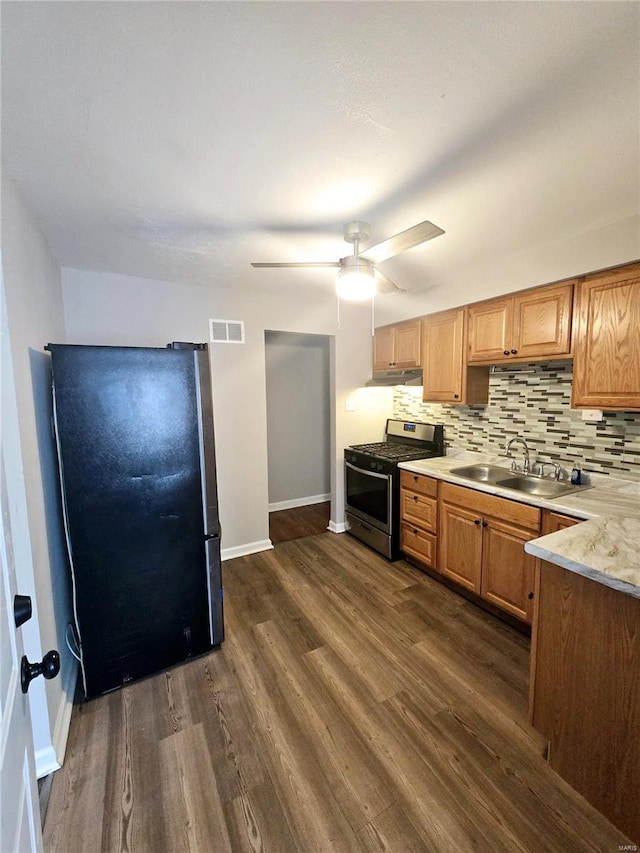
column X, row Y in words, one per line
column 356, row 705
column 288, row 524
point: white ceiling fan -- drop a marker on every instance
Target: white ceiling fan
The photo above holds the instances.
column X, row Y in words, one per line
column 357, row 273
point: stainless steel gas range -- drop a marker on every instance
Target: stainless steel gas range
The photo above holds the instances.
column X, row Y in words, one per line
column 372, row 481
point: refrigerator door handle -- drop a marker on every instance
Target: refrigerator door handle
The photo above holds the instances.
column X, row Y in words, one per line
column 207, row 443
column 214, row 582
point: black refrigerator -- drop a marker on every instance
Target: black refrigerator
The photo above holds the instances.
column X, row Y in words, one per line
column 134, row 432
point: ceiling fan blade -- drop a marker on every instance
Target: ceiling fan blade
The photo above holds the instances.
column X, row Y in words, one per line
column 298, row 264
column 385, row 285
column 401, row 242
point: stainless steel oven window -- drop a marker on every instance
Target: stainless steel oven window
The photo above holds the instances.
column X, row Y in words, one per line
column 369, row 496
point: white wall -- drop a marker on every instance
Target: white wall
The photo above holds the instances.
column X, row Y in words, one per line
column 35, row 316
column 110, row 309
column 298, row 417
column 608, row 245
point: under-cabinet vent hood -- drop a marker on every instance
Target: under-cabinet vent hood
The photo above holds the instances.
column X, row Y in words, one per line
column 396, row 377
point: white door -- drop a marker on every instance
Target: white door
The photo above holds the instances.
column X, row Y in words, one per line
column 20, row 815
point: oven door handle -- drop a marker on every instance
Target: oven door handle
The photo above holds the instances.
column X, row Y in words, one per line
column 368, row 473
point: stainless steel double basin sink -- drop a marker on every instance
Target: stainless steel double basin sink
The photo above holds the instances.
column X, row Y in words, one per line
column 541, row 487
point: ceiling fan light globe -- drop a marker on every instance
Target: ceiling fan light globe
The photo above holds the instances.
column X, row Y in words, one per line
column 355, row 285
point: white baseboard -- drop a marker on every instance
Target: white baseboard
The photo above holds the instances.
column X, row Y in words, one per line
column 243, row 550
column 46, row 762
column 63, row 717
column 52, row 757
column 296, row 502
column 337, row 527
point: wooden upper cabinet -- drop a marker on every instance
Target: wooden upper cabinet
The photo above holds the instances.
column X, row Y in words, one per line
column 527, row 326
column 490, row 325
column 606, row 371
column 446, row 377
column 397, row 346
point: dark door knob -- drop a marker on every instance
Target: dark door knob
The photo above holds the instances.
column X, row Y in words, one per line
column 22, row 610
column 49, row 666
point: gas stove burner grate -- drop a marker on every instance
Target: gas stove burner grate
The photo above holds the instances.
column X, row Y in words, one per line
column 394, row 452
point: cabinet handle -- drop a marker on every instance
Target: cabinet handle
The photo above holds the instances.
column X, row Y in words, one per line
column 506, row 352
column 415, row 532
column 415, row 478
column 530, row 596
column 514, row 352
column 485, row 524
column 415, row 499
column 477, row 521
column 455, row 396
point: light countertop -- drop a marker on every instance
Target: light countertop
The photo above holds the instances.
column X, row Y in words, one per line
column 605, row 548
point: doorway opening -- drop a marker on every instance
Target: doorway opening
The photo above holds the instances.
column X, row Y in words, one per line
column 298, row 433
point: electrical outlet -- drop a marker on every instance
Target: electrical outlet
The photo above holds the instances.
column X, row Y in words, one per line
column 592, row 415
column 349, row 406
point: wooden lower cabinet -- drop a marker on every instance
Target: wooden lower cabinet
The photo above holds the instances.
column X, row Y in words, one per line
column 554, row 521
column 419, row 517
column 461, row 546
column 481, row 547
column 508, row 573
column 585, row 690
column 419, row 544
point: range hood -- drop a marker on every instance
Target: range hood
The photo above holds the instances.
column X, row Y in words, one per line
column 396, row 377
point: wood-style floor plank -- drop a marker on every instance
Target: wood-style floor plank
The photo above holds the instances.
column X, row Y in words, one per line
column 356, row 705
column 288, row 524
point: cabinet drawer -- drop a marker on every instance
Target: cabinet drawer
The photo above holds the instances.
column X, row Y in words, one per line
column 419, row 544
column 419, row 483
column 502, row 508
column 418, row 509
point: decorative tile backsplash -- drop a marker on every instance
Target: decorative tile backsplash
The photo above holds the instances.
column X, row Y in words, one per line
column 533, row 401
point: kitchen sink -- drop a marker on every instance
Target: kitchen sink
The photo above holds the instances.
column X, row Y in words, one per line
column 539, row 486
column 481, row 473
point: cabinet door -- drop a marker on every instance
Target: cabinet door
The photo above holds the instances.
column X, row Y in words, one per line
column 383, row 348
column 446, row 377
column 490, row 330
column 606, row 371
column 508, row 573
column 461, row 546
column 542, row 322
column 442, row 357
column 407, row 345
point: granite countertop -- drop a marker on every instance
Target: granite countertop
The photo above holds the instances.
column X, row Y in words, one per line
column 604, row 548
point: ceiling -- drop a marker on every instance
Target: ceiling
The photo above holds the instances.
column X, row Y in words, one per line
column 183, row 140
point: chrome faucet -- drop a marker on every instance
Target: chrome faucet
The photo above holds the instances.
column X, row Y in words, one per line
column 526, row 463
column 557, row 470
